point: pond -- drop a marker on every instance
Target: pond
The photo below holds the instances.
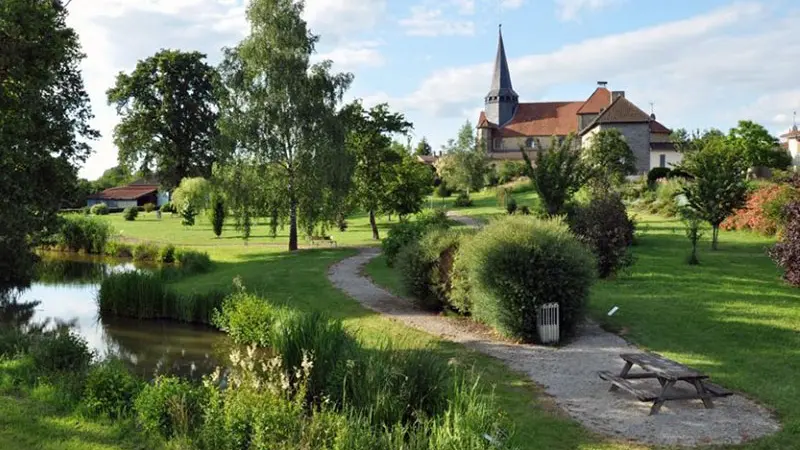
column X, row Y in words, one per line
column 65, row 290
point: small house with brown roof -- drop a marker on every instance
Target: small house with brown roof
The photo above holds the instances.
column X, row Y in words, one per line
column 138, row 193
column 506, row 126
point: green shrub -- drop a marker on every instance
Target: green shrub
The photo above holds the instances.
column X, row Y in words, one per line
column 246, row 318
column 110, row 389
column 657, row 173
column 145, row 251
column 192, row 261
column 188, row 213
column 516, row 264
column 60, row 350
column 118, row 249
column 217, row 214
column 442, row 191
column 130, row 214
column 149, row 207
column 462, row 200
column 604, row 226
column 84, row 233
column 511, row 206
column 524, row 210
column 169, row 407
column 167, row 254
column 425, row 267
column 491, row 177
column 167, row 208
column 99, row 209
column 406, row 232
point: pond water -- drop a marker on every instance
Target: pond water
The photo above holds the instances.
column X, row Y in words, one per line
column 65, row 290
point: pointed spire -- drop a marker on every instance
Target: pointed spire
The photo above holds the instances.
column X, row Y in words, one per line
column 794, row 120
column 501, row 79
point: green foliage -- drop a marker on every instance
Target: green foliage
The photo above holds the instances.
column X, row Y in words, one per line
column 192, row 194
column 757, row 147
column 99, row 209
column 174, row 136
column 167, row 207
column 516, row 264
column 405, row 232
column 407, row 186
column 511, row 205
column 145, row 251
column 130, row 213
column 463, row 165
column 442, row 191
column 169, row 407
column 557, row 174
column 719, row 186
column 510, row 171
column 425, row 267
column 423, row 148
column 692, row 223
column 188, row 213
column 84, row 233
column 193, row 261
column 167, row 254
column 657, row 173
column 113, row 177
column 118, row 249
column 609, row 159
column 246, row 318
column 110, row 389
column 217, row 214
column 45, row 133
column 149, row 207
column 604, row 226
column 60, row 350
column 462, row 200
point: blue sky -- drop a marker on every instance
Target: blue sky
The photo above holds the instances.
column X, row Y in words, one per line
column 703, row 63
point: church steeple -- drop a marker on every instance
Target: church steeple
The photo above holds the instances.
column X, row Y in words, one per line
column 501, row 101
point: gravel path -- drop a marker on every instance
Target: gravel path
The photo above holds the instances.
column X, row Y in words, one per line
column 466, row 220
column 569, row 374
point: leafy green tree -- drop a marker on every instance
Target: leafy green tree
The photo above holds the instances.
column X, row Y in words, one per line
column 464, row 163
column 192, row 191
column 281, row 112
column 423, row 148
column 757, row 146
column 116, row 176
column 169, row 113
column 609, row 159
column 248, row 194
column 719, row 183
column 44, row 127
column 188, row 213
column 217, row 213
column 696, row 140
column 558, row 173
column 369, row 141
column 406, row 185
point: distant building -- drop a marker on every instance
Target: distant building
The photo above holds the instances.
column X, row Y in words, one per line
column 138, row 193
column 507, row 126
column 791, row 142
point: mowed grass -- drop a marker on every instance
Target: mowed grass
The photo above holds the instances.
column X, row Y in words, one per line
column 485, row 204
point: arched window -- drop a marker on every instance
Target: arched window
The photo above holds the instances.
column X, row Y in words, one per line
column 530, row 143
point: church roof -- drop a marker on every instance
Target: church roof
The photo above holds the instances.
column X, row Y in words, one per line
column 600, row 98
column 543, row 119
column 501, row 78
column 793, row 133
column 658, row 128
column 621, row 110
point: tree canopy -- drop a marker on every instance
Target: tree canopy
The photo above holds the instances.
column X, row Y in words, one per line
column 44, row 126
column 609, row 159
column 463, row 165
column 169, row 112
column 281, row 113
column 557, row 174
column 423, row 148
column 757, row 146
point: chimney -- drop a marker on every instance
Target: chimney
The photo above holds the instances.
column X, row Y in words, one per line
column 602, row 84
column 616, row 94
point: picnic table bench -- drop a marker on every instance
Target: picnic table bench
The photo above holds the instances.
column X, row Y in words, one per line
column 667, row 372
column 318, row 239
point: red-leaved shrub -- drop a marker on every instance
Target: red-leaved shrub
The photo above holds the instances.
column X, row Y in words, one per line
column 786, row 253
column 762, row 211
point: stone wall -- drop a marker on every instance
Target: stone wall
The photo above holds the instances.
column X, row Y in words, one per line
column 637, row 135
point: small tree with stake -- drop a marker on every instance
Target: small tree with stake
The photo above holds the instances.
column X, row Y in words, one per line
column 692, row 222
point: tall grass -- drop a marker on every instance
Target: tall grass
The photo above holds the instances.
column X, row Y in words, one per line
column 144, row 295
column 83, row 233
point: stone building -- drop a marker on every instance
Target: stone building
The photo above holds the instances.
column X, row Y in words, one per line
column 506, row 125
column 791, row 142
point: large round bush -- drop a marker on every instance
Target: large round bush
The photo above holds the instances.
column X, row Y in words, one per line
column 425, row 267
column 110, row 389
column 603, row 225
column 518, row 263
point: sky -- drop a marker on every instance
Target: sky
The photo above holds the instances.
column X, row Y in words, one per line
column 701, row 63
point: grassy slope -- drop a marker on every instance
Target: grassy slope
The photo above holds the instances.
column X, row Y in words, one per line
column 732, row 316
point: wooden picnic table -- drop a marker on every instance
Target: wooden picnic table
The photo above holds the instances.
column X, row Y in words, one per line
column 667, row 372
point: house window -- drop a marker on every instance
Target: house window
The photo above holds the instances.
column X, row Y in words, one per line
column 530, row 143
column 662, row 160
column 498, row 143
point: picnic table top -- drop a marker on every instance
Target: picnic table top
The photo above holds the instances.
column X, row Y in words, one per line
column 663, row 367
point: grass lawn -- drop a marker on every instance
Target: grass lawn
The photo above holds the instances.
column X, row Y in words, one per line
column 485, row 203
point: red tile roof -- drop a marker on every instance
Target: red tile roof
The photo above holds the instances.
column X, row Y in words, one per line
column 483, row 122
column 658, row 128
column 793, row 133
column 600, row 98
column 543, row 119
column 130, row 192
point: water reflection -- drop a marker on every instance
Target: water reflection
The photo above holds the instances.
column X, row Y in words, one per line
column 66, row 290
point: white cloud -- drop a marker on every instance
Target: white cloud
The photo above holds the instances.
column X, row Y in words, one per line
column 355, row 54
column 465, row 7
column 511, row 4
column 572, row 9
column 429, row 22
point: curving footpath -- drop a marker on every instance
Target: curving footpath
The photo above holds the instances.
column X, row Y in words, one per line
column 569, row 374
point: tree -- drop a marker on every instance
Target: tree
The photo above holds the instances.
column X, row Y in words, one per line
column 217, row 213
column 464, row 164
column 281, row 112
column 719, row 182
column 757, row 146
column 192, row 191
column 369, row 141
column 168, row 108
column 557, row 174
column 688, row 142
column 248, row 194
column 116, row 176
column 44, row 127
column 423, row 148
column 609, row 159
column 407, row 184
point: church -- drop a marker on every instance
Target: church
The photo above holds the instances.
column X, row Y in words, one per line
column 506, row 126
